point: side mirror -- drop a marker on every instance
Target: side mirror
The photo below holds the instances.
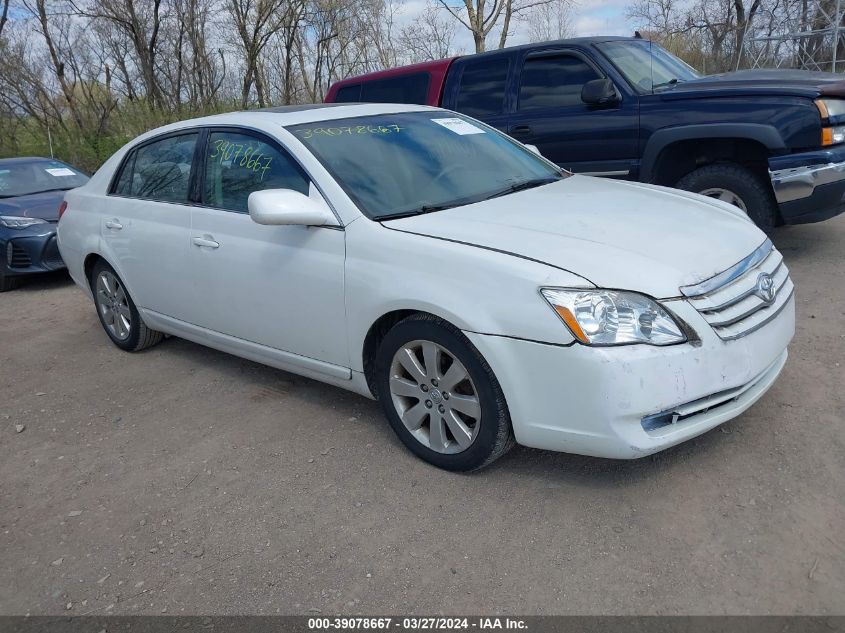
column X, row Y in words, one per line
column 286, row 206
column 533, row 148
column 599, row 92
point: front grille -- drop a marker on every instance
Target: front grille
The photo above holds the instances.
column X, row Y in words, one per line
column 16, row 256
column 51, row 257
column 746, row 296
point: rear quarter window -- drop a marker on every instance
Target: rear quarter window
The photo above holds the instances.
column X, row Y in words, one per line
column 402, row 89
column 481, row 91
column 348, row 94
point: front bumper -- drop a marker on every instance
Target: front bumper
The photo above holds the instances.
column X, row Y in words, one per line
column 603, row 401
column 30, row 250
column 809, row 187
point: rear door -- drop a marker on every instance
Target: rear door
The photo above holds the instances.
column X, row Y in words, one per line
column 548, row 112
column 145, row 225
column 477, row 86
column 278, row 286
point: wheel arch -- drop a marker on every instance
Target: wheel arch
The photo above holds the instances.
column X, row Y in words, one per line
column 672, row 153
column 375, row 335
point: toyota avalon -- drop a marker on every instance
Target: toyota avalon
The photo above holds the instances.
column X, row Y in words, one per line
column 419, row 257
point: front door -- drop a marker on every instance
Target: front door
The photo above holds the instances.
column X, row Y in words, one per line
column 549, row 113
column 277, row 286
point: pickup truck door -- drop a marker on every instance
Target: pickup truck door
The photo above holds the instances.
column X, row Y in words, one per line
column 547, row 111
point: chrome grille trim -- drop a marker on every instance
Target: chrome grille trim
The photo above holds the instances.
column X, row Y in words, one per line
column 737, row 270
column 757, row 326
column 734, row 302
column 744, row 315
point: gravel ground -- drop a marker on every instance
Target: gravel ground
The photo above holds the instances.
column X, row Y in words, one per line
column 183, row 480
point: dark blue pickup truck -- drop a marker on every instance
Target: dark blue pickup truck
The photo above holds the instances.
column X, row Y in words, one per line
column 769, row 141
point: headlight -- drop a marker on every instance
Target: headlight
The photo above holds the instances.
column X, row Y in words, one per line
column 17, row 222
column 613, row 317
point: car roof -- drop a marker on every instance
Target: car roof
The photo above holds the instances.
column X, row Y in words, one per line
column 290, row 115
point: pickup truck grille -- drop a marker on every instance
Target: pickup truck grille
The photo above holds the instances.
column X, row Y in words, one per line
column 746, row 296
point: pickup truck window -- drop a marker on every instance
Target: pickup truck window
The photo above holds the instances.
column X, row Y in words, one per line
column 349, row 94
column 646, row 65
column 482, row 88
column 549, row 82
column 401, row 89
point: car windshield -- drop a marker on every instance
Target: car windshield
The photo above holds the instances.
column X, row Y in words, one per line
column 646, row 65
column 395, row 165
column 23, row 178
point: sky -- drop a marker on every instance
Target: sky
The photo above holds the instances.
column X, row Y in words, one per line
column 589, row 17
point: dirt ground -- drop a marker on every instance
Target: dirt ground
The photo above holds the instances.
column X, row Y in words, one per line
column 183, row 480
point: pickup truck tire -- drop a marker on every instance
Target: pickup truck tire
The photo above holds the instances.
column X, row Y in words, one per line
column 738, row 185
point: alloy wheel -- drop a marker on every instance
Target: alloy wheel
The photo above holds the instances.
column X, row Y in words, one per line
column 725, row 195
column 435, row 397
column 113, row 305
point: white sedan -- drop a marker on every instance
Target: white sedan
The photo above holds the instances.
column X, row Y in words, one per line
column 417, row 256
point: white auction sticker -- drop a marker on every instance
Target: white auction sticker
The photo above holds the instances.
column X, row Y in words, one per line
column 60, row 171
column 459, row 126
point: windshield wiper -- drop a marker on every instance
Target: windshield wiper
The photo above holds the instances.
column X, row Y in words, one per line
column 521, row 186
column 426, row 208
column 671, row 82
column 33, row 193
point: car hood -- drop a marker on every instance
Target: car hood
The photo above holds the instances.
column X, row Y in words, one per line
column 762, row 81
column 614, row 234
column 38, row 205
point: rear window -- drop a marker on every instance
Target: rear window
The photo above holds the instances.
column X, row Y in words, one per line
column 482, row 89
column 348, row 94
column 402, row 89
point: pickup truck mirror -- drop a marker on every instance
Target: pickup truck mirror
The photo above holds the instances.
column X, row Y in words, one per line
column 599, row 92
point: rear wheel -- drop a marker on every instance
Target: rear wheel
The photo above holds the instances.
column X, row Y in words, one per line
column 736, row 185
column 117, row 312
column 440, row 395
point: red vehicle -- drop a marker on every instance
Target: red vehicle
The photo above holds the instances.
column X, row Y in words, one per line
column 421, row 84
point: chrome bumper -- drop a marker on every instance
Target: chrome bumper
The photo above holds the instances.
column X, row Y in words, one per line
column 800, row 182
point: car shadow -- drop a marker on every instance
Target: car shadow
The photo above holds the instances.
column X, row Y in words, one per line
column 44, row 281
column 263, row 381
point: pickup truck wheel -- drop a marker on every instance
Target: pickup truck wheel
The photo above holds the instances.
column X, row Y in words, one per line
column 735, row 185
column 440, row 395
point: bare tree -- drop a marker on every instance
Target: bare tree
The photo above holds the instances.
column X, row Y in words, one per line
column 550, row 21
column 481, row 18
column 431, row 36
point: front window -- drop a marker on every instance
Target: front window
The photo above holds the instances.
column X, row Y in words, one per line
column 647, row 66
column 403, row 164
column 28, row 178
column 238, row 164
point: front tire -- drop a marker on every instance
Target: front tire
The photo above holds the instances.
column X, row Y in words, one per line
column 440, row 395
column 117, row 312
column 735, row 185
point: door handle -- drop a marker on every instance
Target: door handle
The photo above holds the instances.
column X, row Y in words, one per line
column 521, row 130
column 114, row 225
column 206, row 242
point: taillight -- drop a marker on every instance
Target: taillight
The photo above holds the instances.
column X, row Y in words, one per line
column 62, row 209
